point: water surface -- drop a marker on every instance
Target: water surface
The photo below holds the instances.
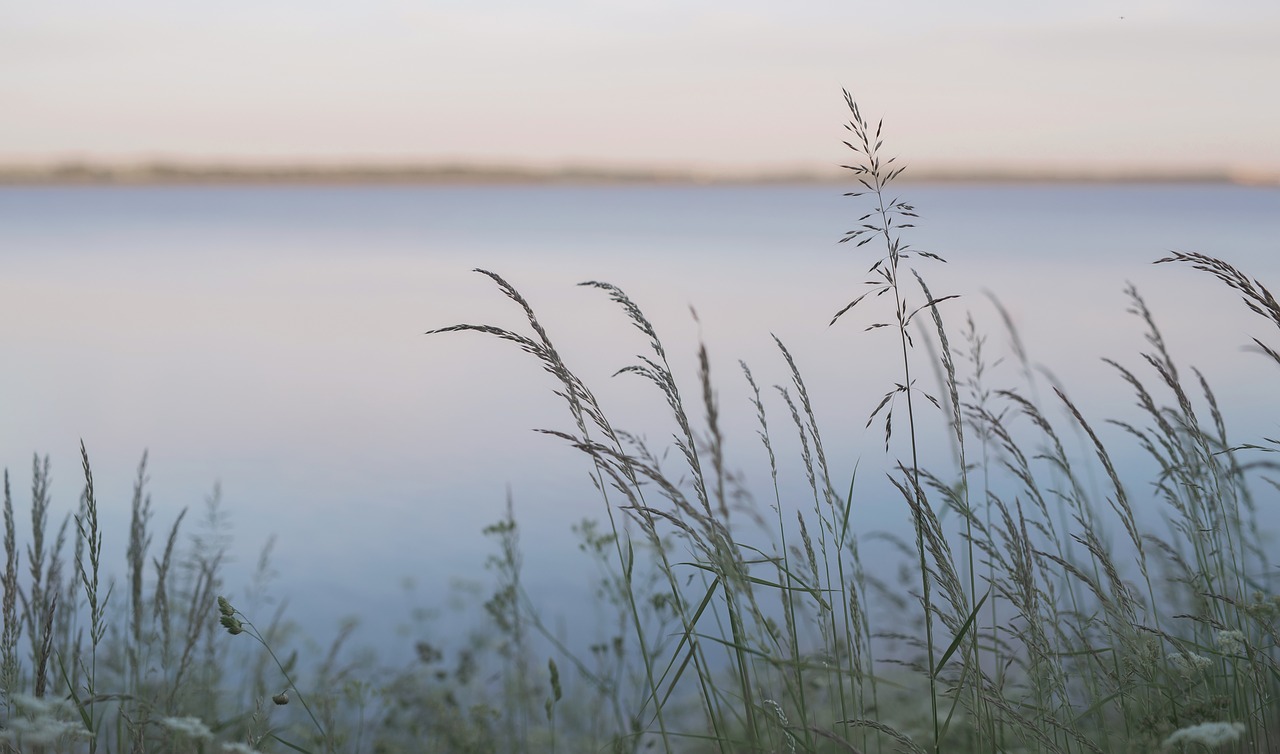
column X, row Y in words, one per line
column 271, row 340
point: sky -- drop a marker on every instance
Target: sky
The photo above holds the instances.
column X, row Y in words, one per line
column 725, row 86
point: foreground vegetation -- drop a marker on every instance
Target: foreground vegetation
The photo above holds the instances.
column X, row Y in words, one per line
column 1038, row 611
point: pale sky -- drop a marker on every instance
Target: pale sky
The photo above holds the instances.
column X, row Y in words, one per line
column 721, row 85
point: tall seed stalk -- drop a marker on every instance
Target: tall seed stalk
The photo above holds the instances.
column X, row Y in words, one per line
column 10, row 667
column 885, row 221
column 91, row 535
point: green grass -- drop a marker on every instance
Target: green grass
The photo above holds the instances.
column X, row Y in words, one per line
column 1036, row 609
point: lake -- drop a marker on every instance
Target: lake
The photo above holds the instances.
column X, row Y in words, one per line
column 271, row 340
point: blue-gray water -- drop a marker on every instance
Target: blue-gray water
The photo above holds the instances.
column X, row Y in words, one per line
column 271, row 339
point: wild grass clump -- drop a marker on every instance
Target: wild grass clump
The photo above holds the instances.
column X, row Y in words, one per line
column 90, row 665
column 1047, row 610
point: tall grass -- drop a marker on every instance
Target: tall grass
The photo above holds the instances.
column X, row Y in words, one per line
column 1045, row 614
column 1042, row 602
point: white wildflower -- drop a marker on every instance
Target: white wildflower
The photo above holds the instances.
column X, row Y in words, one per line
column 1206, row 734
column 1189, row 664
column 38, row 706
column 1230, row 642
column 238, row 748
column 40, row 731
column 191, row 727
column 39, row 721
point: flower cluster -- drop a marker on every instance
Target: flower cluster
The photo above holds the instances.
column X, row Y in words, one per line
column 1230, row 642
column 195, row 729
column 191, row 727
column 1189, row 664
column 1208, row 735
column 39, row 722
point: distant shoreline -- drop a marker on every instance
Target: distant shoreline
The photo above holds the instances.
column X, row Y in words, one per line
column 179, row 174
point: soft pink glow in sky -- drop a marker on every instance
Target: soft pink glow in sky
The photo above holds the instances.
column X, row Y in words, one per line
column 720, row 85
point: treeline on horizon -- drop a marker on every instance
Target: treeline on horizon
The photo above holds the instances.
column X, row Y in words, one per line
column 83, row 172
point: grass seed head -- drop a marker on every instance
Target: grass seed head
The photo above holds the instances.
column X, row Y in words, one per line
column 232, row 625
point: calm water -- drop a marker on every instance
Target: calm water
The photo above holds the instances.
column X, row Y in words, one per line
column 272, row 340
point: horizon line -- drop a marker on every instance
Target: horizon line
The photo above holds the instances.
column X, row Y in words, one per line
column 180, row 172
